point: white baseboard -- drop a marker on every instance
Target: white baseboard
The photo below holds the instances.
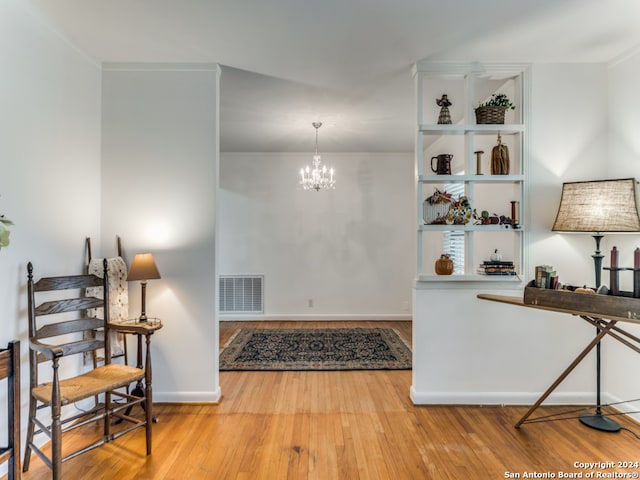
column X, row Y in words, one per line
column 521, row 398
column 629, row 408
column 499, row 398
column 315, row 317
column 188, row 397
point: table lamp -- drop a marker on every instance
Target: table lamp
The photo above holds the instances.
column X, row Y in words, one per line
column 143, row 268
column 597, row 207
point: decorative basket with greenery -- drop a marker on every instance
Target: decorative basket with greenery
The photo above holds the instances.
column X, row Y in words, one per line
column 493, row 110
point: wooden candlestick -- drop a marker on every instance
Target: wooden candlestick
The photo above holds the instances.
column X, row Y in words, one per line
column 515, row 207
column 636, row 273
column 479, row 161
column 614, row 273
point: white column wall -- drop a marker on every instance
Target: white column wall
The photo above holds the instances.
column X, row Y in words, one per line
column 472, row 351
column 159, row 182
column 349, row 250
column 50, row 164
column 621, row 365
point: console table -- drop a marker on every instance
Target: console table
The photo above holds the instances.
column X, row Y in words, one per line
column 606, row 324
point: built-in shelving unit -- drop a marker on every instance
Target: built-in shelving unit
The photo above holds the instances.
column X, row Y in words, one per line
column 468, row 85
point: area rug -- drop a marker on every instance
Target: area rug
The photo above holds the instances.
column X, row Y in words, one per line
column 316, row 349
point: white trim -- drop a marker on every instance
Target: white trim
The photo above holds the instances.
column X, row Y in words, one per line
column 188, row 397
column 161, row 67
column 307, row 317
column 217, row 393
column 468, row 282
column 499, row 398
column 626, row 407
column 429, row 67
column 521, row 398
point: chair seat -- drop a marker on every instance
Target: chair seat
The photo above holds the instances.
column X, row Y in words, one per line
column 100, row 380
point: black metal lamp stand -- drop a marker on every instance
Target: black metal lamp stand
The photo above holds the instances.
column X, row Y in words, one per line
column 597, row 420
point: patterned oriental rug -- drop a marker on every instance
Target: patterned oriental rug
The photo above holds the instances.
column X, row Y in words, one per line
column 316, row 349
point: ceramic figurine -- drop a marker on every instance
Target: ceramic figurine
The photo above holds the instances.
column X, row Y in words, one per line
column 444, row 104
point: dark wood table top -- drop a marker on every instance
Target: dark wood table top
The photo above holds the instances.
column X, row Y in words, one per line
column 518, row 301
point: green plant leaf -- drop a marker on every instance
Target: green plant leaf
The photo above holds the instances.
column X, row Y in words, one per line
column 499, row 100
column 4, row 237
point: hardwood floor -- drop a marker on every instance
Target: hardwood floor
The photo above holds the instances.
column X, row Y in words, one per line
column 345, row 425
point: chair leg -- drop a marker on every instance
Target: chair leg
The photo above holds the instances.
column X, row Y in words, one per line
column 30, row 430
column 149, row 416
column 56, row 425
column 56, row 442
column 148, row 402
column 107, row 416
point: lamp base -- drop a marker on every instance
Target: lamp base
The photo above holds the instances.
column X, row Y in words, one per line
column 599, row 422
column 143, row 303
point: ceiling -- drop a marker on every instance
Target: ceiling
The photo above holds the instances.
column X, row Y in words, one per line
column 347, row 63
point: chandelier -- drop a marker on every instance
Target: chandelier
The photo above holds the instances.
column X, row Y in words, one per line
column 317, row 176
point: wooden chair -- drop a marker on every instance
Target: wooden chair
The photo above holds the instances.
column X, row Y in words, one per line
column 10, row 369
column 56, row 327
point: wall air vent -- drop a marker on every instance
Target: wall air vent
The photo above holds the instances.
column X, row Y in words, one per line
column 241, row 293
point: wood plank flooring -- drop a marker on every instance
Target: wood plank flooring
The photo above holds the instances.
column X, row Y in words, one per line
column 345, row 425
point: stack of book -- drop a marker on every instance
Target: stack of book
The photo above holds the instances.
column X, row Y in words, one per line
column 497, row 268
column 546, row 277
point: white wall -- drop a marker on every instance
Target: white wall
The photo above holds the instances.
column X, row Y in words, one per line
column 159, row 183
column 50, row 163
column 349, row 250
column 473, row 351
column 621, row 365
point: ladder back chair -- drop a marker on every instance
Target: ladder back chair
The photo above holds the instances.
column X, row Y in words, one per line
column 10, row 369
column 56, row 327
